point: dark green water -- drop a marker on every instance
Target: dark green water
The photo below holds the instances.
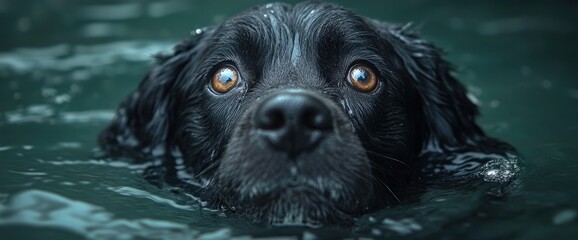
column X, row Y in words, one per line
column 65, row 65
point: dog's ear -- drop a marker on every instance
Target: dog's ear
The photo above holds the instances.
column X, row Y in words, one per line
column 140, row 126
column 448, row 117
column 448, row 114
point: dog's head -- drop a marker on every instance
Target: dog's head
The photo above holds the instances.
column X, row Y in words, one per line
column 296, row 114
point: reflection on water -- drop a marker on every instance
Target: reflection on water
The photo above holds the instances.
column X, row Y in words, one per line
column 129, row 191
column 65, row 57
column 45, row 209
column 65, row 65
column 127, row 11
column 46, row 114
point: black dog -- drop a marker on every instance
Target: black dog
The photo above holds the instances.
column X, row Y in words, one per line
column 304, row 114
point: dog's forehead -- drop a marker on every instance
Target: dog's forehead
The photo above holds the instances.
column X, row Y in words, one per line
column 292, row 39
column 303, row 23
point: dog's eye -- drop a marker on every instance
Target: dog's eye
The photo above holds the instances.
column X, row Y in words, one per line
column 225, row 79
column 362, row 78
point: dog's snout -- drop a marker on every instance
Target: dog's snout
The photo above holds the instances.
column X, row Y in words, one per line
column 293, row 122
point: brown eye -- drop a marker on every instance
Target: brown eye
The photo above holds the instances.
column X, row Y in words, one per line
column 362, row 78
column 225, row 79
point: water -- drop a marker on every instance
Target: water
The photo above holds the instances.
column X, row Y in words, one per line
column 65, row 65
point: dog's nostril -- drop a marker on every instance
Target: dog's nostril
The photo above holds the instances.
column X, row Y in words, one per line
column 272, row 119
column 293, row 122
column 316, row 120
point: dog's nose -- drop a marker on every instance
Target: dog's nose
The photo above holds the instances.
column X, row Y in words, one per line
column 293, row 122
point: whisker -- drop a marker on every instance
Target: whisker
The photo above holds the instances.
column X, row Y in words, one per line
column 388, row 188
column 412, row 170
column 211, row 166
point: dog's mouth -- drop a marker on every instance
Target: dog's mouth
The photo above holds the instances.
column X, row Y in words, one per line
column 303, row 205
column 292, row 204
column 295, row 159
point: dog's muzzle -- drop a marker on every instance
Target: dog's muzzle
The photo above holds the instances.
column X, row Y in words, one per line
column 292, row 121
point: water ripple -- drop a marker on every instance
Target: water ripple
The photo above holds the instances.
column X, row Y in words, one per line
column 45, row 209
column 46, row 114
column 64, row 57
column 129, row 191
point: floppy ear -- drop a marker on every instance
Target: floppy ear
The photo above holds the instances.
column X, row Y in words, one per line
column 448, row 115
column 140, row 127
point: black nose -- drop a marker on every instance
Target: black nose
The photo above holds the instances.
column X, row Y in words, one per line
column 293, row 122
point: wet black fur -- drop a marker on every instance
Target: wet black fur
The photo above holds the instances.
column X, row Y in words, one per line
column 418, row 124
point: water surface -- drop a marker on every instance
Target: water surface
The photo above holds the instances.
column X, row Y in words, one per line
column 65, row 65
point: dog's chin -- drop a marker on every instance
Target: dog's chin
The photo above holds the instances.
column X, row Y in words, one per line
column 294, row 206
